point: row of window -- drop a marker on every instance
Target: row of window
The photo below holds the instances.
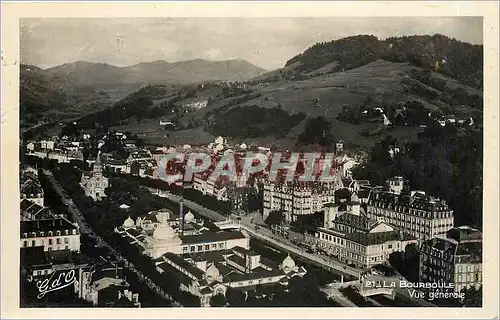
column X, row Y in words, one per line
column 49, row 234
column 405, row 213
column 469, row 277
column 204, row 247
column 468, row 268
column 251, row 282
column 41, row 242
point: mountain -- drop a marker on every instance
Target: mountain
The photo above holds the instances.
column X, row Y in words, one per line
column 459, row 60
column 71, row 90
column 342, row 81
column 157, row 72
column 37, row 95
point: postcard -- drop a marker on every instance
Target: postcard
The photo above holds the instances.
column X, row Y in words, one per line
column 249, row 159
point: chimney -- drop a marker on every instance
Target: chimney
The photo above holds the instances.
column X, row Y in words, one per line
column 181, row 213
column 135, row 298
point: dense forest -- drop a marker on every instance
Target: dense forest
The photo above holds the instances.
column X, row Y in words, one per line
column 254, row 121
column 37, row 96
column 460, row 60
column 446, row 162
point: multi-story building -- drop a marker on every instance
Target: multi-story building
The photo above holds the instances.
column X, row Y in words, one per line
column 138, row 155
column 353, row 238
column 414, row 212
column 455, row 258
column 31, row 189
column 295, row 199
column 94, row 183
column 210, row 185
column 53, row 234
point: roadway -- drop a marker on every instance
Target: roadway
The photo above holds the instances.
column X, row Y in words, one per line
column 85, row 229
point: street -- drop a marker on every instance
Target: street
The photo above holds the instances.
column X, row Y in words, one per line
column 85, row 229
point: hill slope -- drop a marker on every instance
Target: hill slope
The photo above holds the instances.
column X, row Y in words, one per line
column 343, row 81
column 459, row 60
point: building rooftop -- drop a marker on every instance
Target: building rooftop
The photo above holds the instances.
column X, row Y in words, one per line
column 183, row 278
column 179, row 261
column 208, row 237
column 234, row 277
column 46, row 225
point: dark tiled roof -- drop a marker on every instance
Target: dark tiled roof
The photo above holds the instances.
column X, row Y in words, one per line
column 183, row 278
column 360, row 221
column 241, row 250
column 233, row 277
column 213, row 256
column 377, row 238
column 31, row 187
column 179, row 261
column 238, row 260
column 31, row 209
column 46, row 225
column 472, row 249
column 417, row 201
column 208, row 237
column 206, row 290
column 268, row 262
column 347, row 182
column 363, row 193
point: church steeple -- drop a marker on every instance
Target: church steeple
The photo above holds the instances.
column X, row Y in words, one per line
column 98, row 164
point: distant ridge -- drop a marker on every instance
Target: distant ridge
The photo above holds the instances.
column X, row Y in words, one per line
column 160, row 72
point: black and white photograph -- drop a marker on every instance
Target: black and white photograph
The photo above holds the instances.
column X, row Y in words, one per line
column 252, row 162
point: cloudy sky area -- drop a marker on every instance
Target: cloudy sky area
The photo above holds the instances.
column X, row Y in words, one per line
column 265, row 42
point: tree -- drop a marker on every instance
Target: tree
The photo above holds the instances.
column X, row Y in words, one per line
column 275, row 218
column 218, row 301
column 235, row 298
column 473, row 297
column 317, row 131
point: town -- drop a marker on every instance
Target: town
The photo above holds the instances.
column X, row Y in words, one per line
column 251, row 162
column 128, row 235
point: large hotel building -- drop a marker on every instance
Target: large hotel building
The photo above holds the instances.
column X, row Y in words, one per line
column 415, row 213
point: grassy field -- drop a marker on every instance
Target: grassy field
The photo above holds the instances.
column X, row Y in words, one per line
column 380, row 80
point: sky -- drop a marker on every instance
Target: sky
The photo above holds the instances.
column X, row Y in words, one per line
column 265, row 42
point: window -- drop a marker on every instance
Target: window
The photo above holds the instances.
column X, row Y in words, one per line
column 33, row 243
column 207, row 247
column 390, row 246
column 66, row 232
column 221, row 245
column 50, row 234
column 66, row 247
column 58, row 240
column 66, row 240
column 58, row 233
column 25, row 235
column 191, row 248
column 25, row 243
column 49, row 248
column 184, row 249
column 50, row 242
column 42, row 234
column 200, row 248
column 214, row 246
